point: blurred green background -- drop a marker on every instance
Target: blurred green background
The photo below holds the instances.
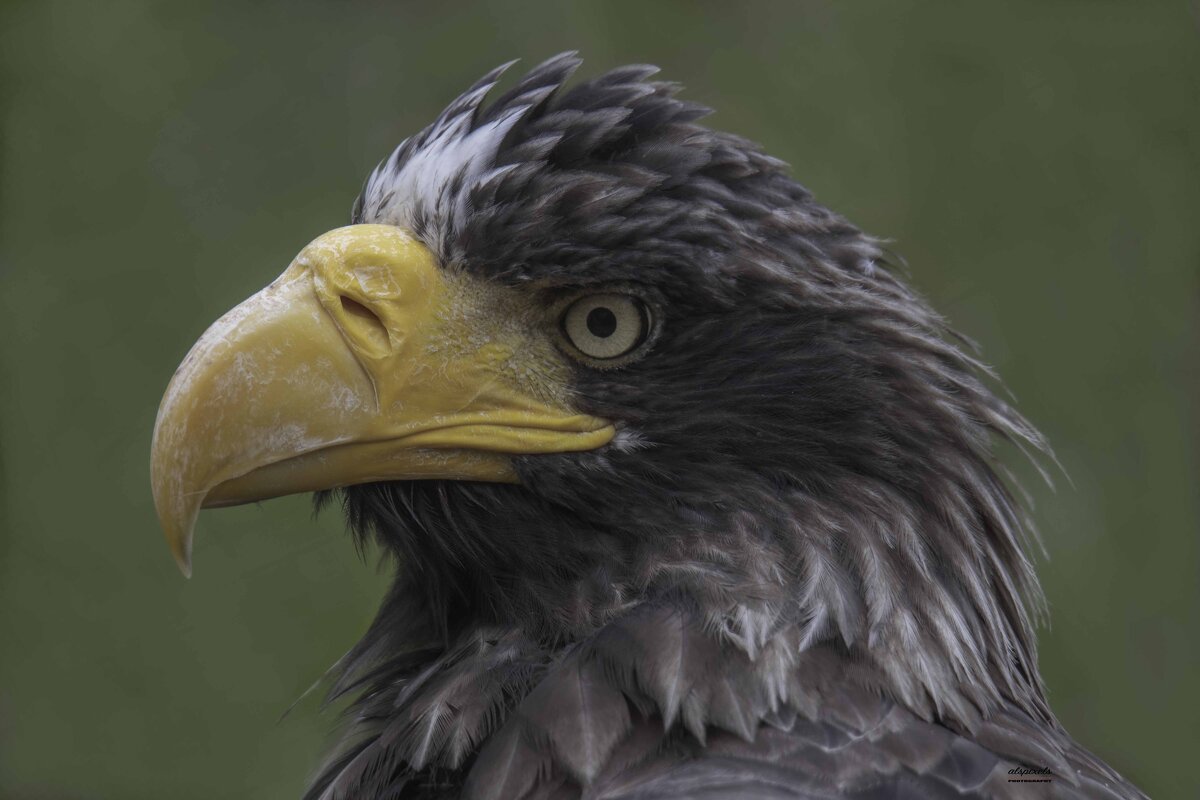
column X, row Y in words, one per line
column 1036, row 163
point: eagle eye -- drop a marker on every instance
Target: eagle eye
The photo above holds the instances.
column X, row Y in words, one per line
column 604, row 327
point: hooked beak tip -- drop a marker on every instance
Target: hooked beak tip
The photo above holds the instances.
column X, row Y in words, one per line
column 184, row 562
column 178, row 531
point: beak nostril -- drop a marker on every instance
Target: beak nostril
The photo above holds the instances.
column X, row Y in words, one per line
column 365, row 321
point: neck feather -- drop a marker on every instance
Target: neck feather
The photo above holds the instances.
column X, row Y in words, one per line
column 920, row 597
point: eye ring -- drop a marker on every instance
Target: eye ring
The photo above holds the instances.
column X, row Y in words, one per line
column 606, row 329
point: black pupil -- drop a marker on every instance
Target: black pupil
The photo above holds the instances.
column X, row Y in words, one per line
column 601, row 322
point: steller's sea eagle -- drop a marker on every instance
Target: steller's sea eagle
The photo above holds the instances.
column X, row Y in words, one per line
column 688, row 494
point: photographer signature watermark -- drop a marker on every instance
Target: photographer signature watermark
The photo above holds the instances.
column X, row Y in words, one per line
column 1027, row 774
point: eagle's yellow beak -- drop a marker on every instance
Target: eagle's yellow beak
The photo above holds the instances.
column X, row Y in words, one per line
column 357, row 364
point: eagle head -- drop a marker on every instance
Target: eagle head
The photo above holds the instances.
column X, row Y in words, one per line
column 578, row 359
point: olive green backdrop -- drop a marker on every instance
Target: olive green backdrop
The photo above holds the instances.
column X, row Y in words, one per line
column 1036, row 163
